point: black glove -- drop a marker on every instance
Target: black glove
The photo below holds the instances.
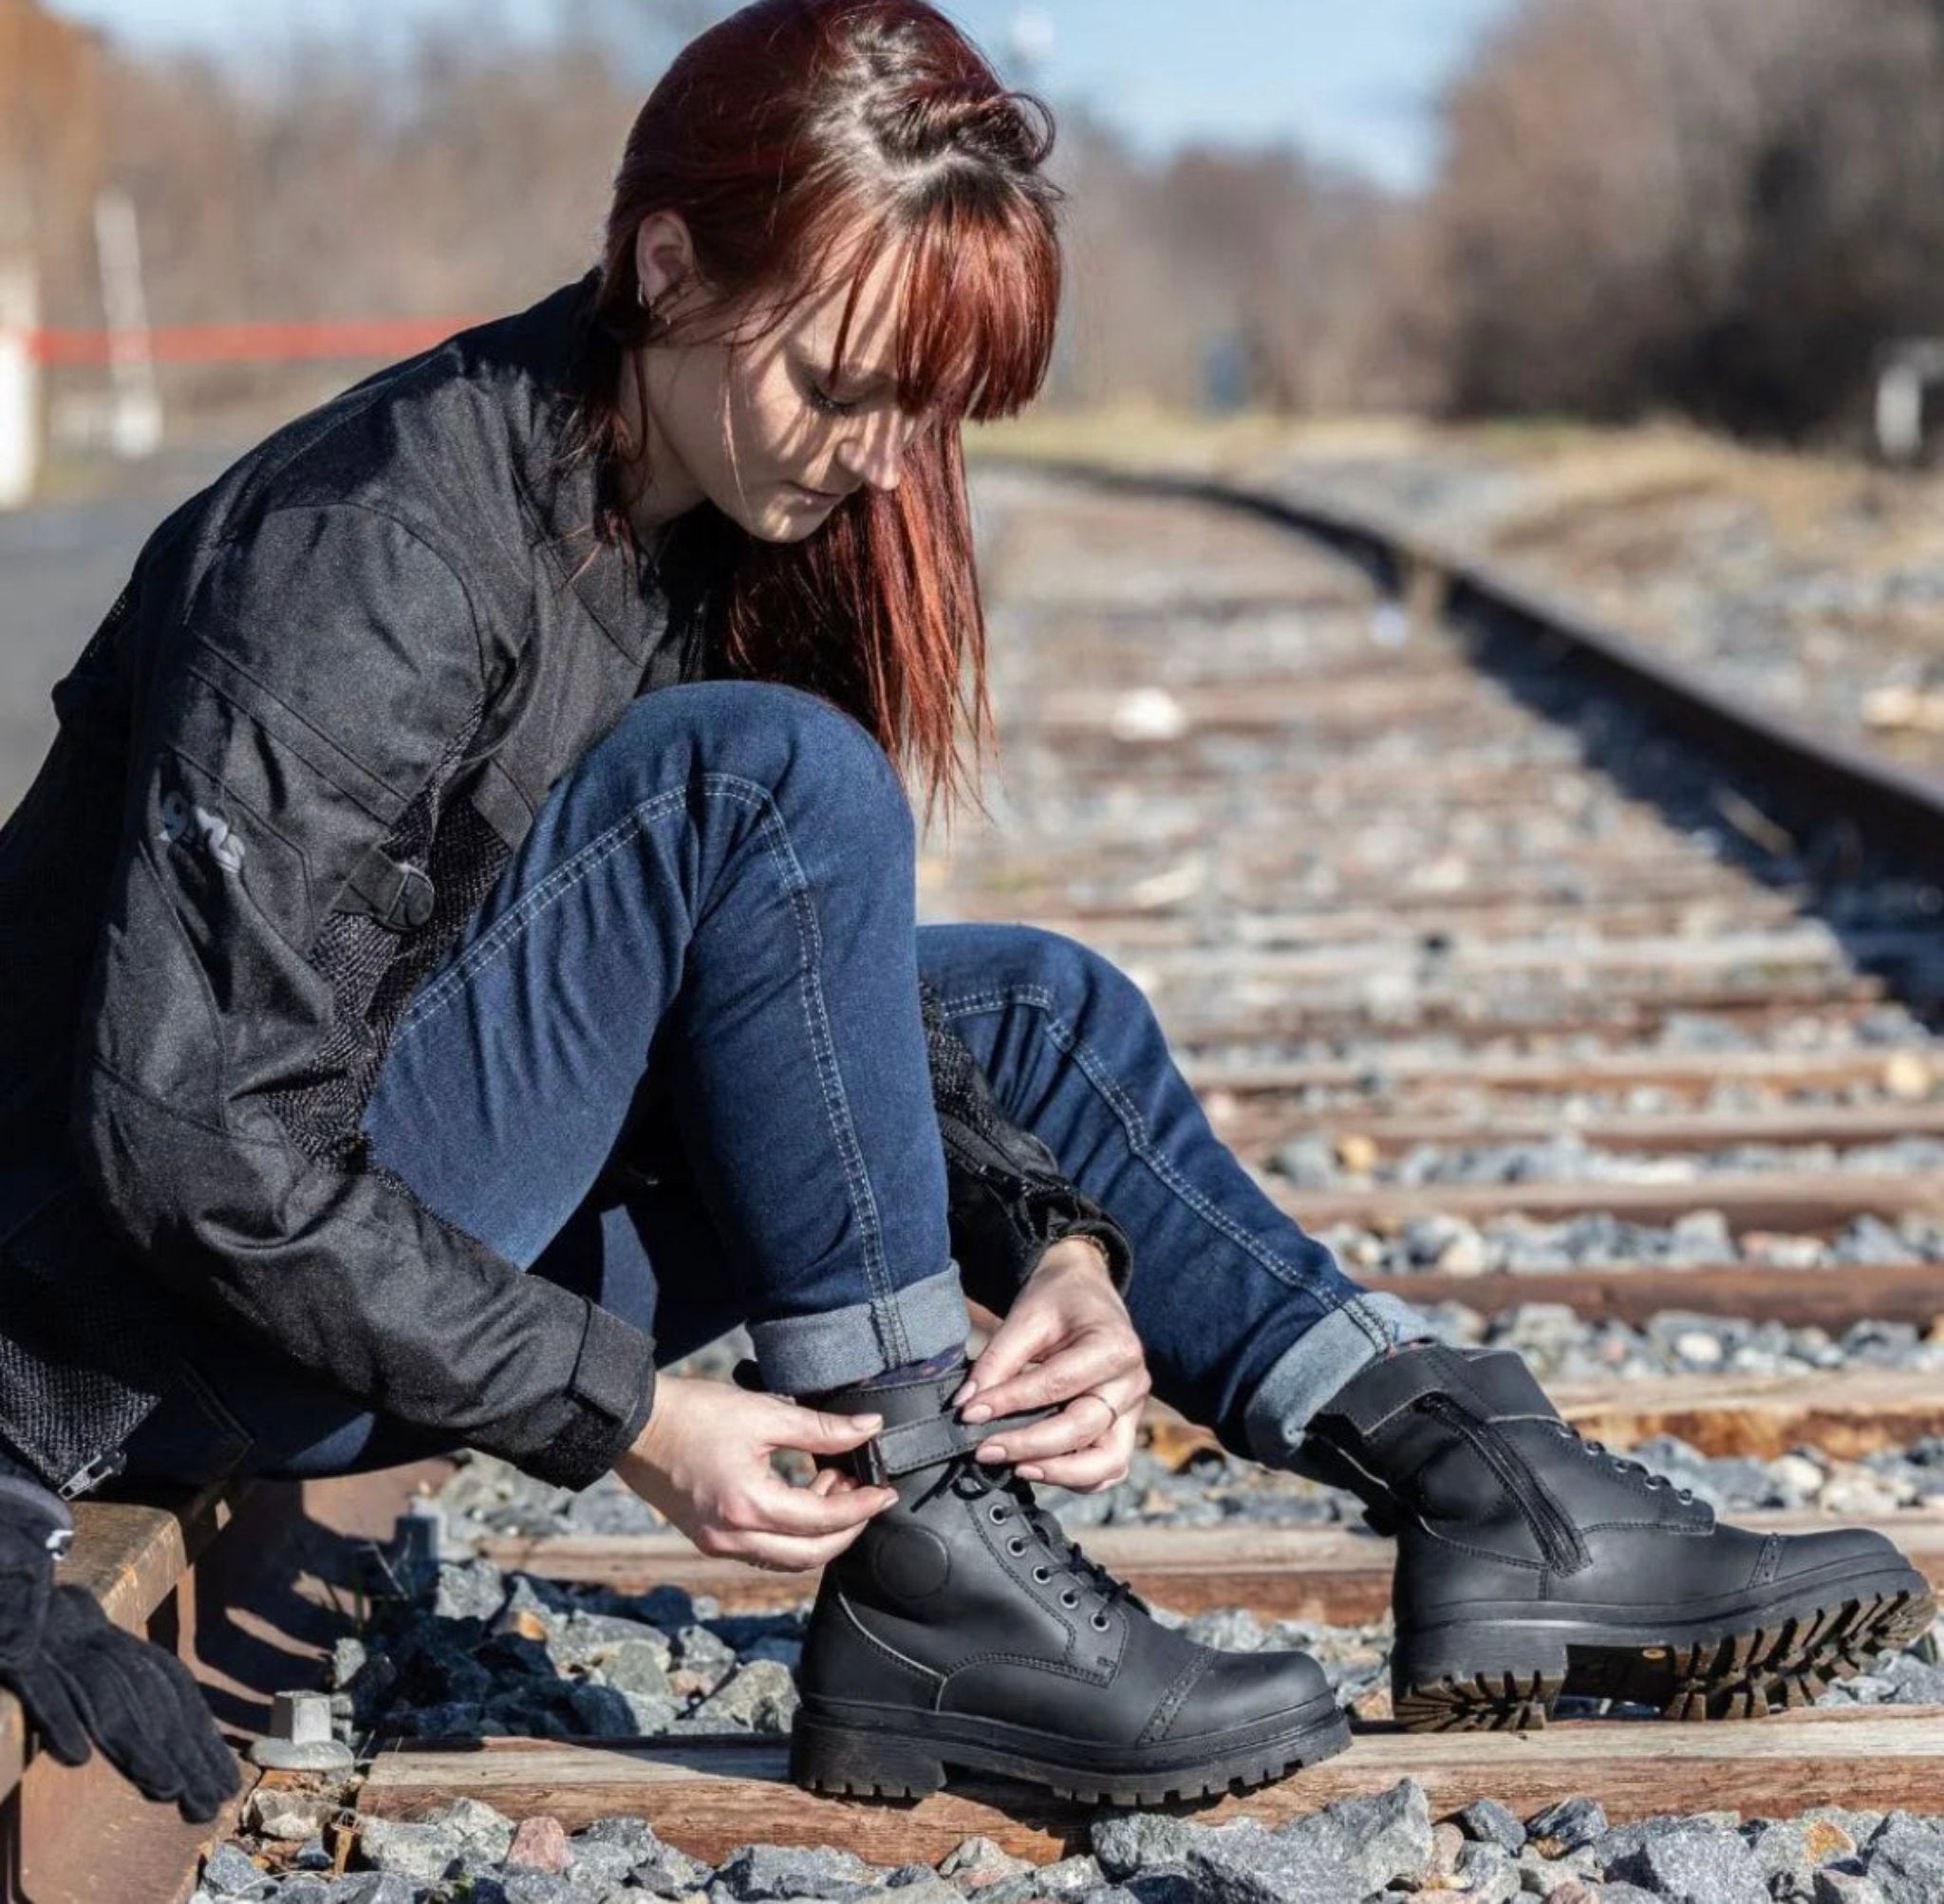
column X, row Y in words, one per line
column 81, row 1679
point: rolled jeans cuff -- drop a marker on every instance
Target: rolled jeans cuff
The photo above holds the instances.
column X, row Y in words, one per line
column 1319, row 1363
column 806, row 1354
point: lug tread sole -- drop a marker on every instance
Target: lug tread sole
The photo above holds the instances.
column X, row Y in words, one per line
column 819, row 1764
column 1749, row 1674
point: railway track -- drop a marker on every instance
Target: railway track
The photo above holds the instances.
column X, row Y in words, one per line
column 1423, row 876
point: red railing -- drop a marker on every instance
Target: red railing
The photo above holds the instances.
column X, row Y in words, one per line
column 249, row 343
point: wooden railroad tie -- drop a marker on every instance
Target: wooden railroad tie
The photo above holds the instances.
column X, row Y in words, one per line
column 708, row 1796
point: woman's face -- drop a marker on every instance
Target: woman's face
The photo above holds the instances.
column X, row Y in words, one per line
column 762, row 429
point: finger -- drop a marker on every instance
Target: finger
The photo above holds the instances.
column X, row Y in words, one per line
column 1090, row 1470
column 1081, row 1424
column 785, row 1553
column 816, row 1431
column 1024, row 1334
column 50, row 1704
column 1089, row 1362
column 778, row 1508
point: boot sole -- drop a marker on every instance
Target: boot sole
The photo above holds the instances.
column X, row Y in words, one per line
column 1506, row 1675
column 865, row 1751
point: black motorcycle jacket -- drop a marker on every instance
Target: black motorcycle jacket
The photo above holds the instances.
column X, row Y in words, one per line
column 289, row 766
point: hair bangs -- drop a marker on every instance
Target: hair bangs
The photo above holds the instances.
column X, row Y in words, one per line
column 980, row 301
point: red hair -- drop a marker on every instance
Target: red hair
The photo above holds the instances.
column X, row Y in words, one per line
column 801, row 139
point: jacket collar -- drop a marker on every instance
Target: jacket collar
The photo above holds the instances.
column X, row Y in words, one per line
column 535, row 360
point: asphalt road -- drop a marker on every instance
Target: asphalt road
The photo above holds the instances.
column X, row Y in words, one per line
column 61, row 566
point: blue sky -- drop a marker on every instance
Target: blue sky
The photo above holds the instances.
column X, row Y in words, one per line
column 1354, row 82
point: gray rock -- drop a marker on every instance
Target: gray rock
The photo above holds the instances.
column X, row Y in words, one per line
column 978, row 1861
column 760, row 1872
column 469, row 1590
column 660, row 1869
column 638, row 1666
column 373, row 1887
column 595, row 1864
column 232, row 1872
column 1838, row 1884
column 1491, row 1822
column 602, row 1713
column 927, row 1889
column 1242, row 1863
column 1490, row 1873
column 303, row 1887
column 1905, row 1859
column 1779, row 1849
column 1539, row 1874
column 1690, row 1863
column 1125, row 1842
column 1384, row 1840
column 291, row 1817
column 1310, row 1163
column 1565, row 1826
column 1156, row 1886
column 535, row 1887
column 1068, row 1879
column 421, row 1853
column 762, row 1695
column 349, row 1658
column 475, row 1829
column 586, row 1638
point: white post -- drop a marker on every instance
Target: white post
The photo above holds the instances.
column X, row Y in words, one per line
column 135, row 417
column 20, row 386
column 1900, row 411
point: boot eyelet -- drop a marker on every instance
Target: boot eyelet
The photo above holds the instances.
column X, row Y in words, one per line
column 1041, row 1575
column 999, row 1515
column 1100, row 1623
column 1070, row 1598
column 1016, row 1546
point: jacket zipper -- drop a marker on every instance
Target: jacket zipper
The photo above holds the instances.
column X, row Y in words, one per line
column 1558, row 1537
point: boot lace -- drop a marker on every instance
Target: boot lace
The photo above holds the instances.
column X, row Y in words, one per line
column 1622, row 1464
column 1009, row 1498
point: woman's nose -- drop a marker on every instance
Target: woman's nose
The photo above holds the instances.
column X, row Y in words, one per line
column 875, row 455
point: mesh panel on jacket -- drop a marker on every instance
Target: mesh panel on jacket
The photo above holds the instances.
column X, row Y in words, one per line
column 373, row 969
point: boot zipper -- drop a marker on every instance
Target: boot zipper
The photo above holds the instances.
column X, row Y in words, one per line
column 1557, row 1537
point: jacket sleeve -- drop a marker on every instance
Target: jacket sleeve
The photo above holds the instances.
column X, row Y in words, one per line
column 282, row 716
column 1008, row 1200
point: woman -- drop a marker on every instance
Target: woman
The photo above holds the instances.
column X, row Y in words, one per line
column 474, row 868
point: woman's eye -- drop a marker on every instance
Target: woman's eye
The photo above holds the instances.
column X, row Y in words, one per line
column 831, row 407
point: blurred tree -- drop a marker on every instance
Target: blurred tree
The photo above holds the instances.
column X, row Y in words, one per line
column 1722, row 206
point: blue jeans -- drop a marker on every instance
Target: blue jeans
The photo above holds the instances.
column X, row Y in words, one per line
column 676, row 1063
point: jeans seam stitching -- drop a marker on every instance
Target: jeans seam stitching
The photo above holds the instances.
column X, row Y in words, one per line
column 823, row 1051
column 558, row 882
column 603, row 847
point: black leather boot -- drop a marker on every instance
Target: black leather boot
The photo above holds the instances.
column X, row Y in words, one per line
column 1532, row 1562
column 961, row 1628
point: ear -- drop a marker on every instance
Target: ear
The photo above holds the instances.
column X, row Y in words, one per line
column 664, row 254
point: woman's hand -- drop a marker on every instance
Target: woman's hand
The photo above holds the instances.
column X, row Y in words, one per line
column 703, row 1462
column 1068, row 1319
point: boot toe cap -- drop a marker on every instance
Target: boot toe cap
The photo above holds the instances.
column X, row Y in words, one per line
column 1842, row 1554
column 1241, row 1689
